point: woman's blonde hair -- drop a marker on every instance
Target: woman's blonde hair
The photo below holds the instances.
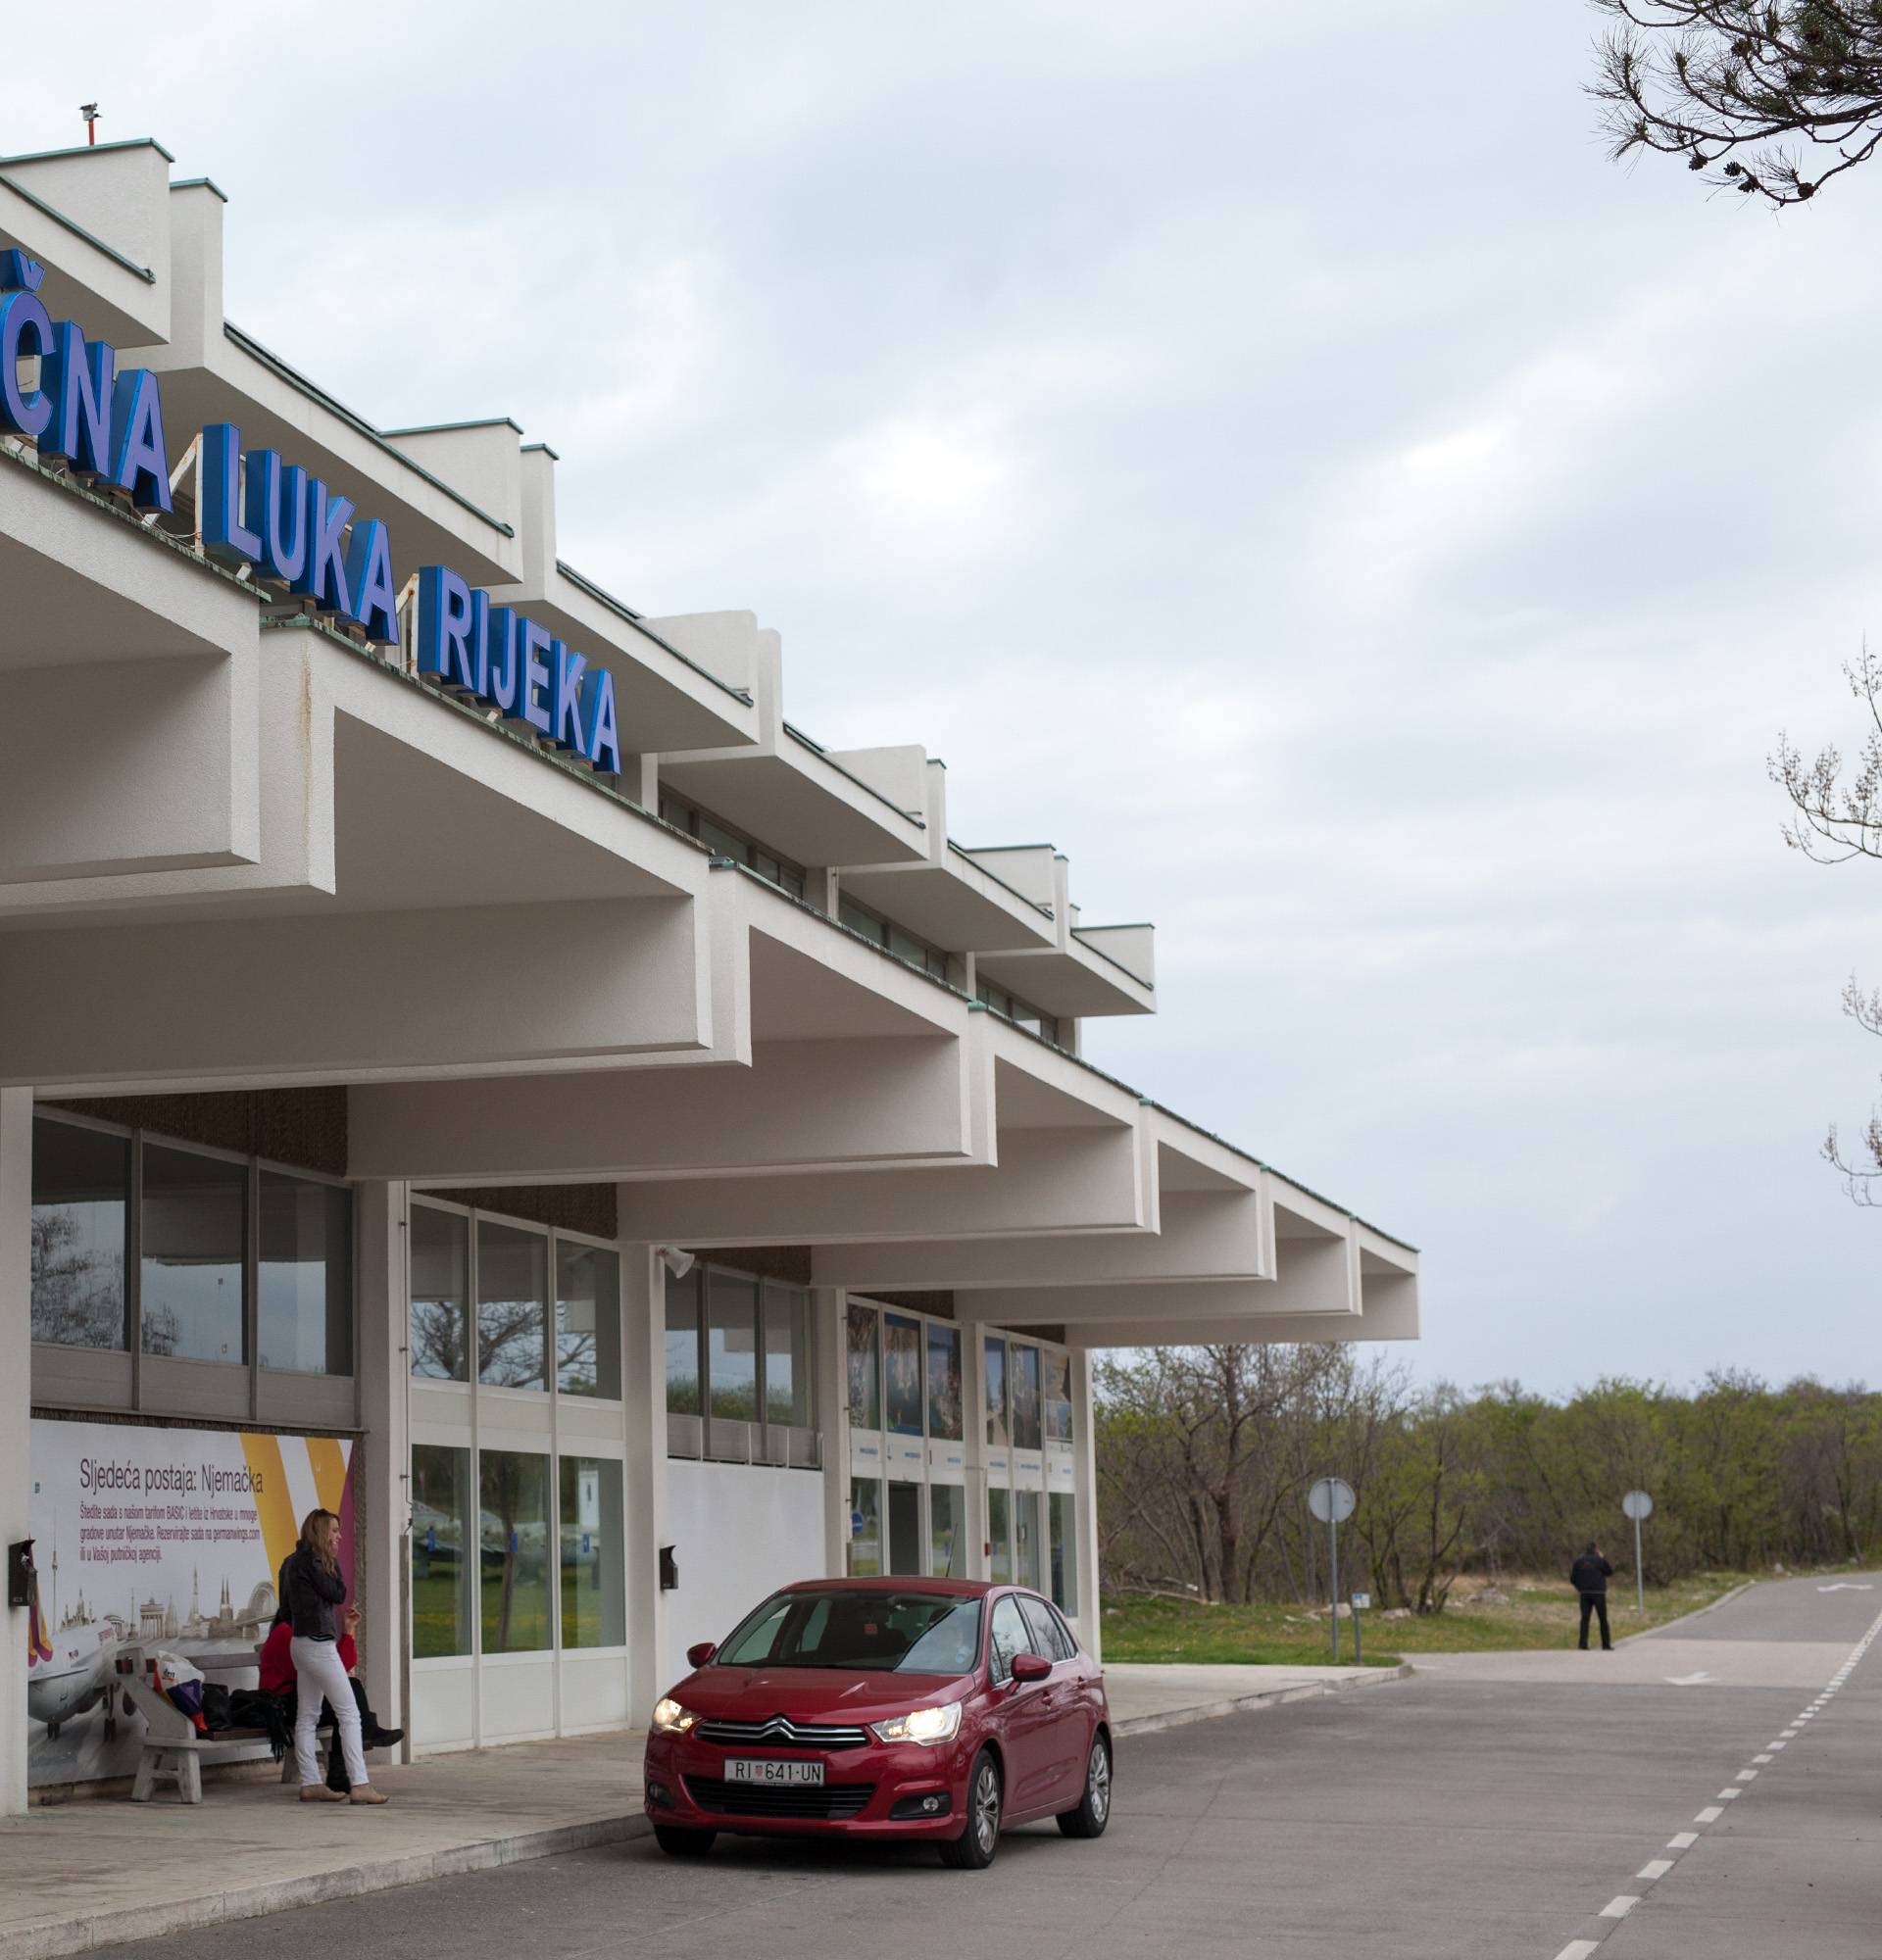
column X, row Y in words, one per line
column 317, row 1547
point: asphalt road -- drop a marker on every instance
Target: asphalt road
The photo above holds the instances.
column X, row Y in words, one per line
column 1457, row 1814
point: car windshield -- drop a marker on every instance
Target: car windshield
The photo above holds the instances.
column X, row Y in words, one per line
column 880, row 1630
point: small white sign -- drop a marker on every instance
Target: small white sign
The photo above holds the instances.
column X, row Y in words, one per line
column 1361, row 1602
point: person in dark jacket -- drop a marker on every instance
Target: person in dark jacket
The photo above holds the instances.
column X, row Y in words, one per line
column 311, row 1587
column 1589, row 1575
column 277, row 1678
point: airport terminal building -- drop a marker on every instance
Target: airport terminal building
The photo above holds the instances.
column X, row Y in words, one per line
column 468, row 1060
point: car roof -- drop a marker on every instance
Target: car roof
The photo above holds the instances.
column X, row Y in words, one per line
column 951, row 1588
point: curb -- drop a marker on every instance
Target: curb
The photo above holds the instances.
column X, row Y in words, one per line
column 1697, row 1613
column 48, row 1941
column 1244, row 1704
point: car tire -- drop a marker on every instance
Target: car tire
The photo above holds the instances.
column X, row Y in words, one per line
column 979, row 1840
column 680, row 1842
column 1092, row 1811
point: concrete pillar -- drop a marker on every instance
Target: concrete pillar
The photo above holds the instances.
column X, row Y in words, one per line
column 643, row 1368
column 383, row 1460
column 1084, row 1454
column 15, row 1406
column 829, row 1308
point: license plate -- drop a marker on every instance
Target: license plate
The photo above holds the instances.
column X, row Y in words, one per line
column 771, row 1769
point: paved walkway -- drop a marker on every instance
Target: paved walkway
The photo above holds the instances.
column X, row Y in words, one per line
column 93, row 1871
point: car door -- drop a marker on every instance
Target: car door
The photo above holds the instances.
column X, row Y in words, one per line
column 1021, row 1709
column 1064, row 1728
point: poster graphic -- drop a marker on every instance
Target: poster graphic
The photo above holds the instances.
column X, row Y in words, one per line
column 944, row 1382
column 149, row 1538
column 902, row 1372
column 996, row 1353
column 1058, row 1371
column 1025, row 1397
column 866, row 1411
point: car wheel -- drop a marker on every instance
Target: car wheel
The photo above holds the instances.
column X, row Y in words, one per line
column 973, row 1850
column 1093, row 1813
column 678, row 1842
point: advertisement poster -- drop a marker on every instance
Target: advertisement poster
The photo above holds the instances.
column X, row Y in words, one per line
column 901, row 1374
column 149, row 1538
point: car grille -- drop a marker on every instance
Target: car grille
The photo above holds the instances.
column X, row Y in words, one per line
column 829, row 1800
column 781, row 1729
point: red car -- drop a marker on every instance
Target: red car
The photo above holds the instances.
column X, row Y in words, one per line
column 935, row 1709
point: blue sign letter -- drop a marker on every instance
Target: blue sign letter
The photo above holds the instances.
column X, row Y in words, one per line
column 444, row 624
column 323, row 578
column 78, row 379
column 138, row 463
column 369, row 575
column 274, row 503
column 565, row 722
column 22, row 320
column 533, row 642
column 225, row 535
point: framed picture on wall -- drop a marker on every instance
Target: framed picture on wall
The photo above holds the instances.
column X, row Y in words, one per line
column 901, row 1374
column 865, row 1394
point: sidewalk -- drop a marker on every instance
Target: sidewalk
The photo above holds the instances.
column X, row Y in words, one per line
column 95, row 1871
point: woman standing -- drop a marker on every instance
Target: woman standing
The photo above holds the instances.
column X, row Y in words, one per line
column 311, row 1588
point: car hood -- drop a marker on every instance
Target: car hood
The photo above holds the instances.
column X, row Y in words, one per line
column 812, row 1693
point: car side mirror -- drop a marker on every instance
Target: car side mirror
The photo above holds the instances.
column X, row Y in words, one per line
column 1030, row 1667
column 700, row 1654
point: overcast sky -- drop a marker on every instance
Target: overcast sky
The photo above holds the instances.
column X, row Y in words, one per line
column 1284, row 465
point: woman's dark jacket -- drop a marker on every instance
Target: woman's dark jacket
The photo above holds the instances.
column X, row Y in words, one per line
column 309, row 1593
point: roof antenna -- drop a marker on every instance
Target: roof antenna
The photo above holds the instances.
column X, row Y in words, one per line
column 90, row 110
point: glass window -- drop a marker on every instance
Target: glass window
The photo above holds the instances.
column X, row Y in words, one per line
column 850, row 914
column 1064, row 1551
column 998, row 1433
column 195, row 1255
column 1025, row 1397
column 1027, row 1550
column 440, row 1250
column 514, row 1537
column 512, row 1315
column 1008, row 1637
column 594, row 1600
column 902, row 1372
column 683, row 1344
column 731, row 1346
column 947, row 1531
column 999, row 1536
column 905, row 1529
column 440, row 1572
column 787, row 1355
column 1044, row 1628
column 875, row 1630
column 1057, row 1368
column 866, row 1530
column 81, row 1202
column 945, row 1414
column 866, row 1387
column 721, row 843
column 587, row 1320
column 305, row 1281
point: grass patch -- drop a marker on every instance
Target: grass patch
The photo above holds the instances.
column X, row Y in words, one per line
column 1515, row 1614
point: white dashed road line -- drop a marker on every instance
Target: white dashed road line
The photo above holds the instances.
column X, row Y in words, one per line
column 1617, row 1908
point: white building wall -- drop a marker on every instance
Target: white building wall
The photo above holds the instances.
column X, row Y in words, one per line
column 16, row 1466
column 738, row 1534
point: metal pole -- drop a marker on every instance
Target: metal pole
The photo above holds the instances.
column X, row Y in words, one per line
column 1640, row 1578
column 1333, row 1556
column 1358, row 1648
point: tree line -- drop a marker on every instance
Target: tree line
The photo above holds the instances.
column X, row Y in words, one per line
column 1205, row 1454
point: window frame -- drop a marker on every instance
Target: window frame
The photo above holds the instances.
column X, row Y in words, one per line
column 790, row 872
column 763, row 1438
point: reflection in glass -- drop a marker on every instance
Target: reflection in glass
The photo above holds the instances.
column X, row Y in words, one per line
column 946, row 1422
column 947, row 1531
column 80, row 1200
column 594, row 1602
column 998, row 1433
column 305, row 1303
column 1027, row 1546
column 866, row 1393
column 1000, row 1536
column 195, row 1235
column 440, row 1572
column 682, row 1343
column 1025, row 1397
column 511, row 1315
column 866, row 1530
column 1056, row 1367
column 587, row 1320
column 440, row 1281
column 731, row 1346
column 902, row 1376
column 513, row 1538
column 787, row 1355
column 1064, row 1553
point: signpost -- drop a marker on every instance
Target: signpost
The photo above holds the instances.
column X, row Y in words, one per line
column 1331, row 1501
column 1638, row 1506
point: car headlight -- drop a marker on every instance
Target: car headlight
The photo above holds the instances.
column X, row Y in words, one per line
column 922, row 1725
column 671, row 1719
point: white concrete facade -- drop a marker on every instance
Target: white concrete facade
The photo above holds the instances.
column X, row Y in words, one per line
column 282, row 916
